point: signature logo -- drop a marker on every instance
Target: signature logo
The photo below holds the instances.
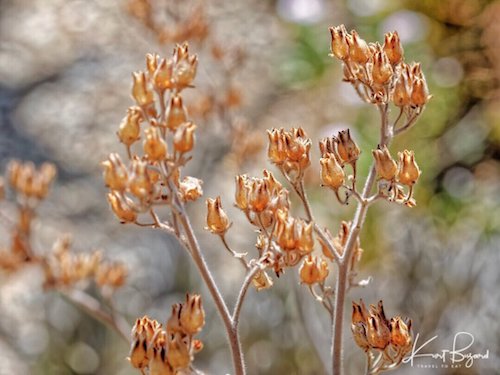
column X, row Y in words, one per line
column 458, row 356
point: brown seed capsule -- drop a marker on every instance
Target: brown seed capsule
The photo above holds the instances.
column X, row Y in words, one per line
column 393, row 48
column 115, row 174
column 276, row 148
column 154, row 146
column 401, row 95
column 400, row 332
column 141, row 93
column 313, row 270
column 152, row 61
column 408, row 172
column 184, row 137
column 339, row 46
column 382, row 69
column 176, row 113
column 419, row 93
column 121, row 208
column 158, row 363
column 185, row 71
column 162, row 78
column 359, row 51
column 347, row 149
column 386, row 167
column 259, row 197
column 332, row 174
column 140, row 184
column 130, row 129
column 242, row 191
column 178, row 352
column 192, row 315
column 217, row 220
column 377, row 333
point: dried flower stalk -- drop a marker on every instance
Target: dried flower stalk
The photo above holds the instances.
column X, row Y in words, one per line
column 152, row 177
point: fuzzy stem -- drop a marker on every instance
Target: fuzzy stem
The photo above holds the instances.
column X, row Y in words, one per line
column 343, row 262
column 241, row 296
column 196, row 254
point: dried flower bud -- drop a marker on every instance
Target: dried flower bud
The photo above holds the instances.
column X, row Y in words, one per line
column 115, row 174
column 152, row 61
column 140, row 183
column 142, row 334
column 276, row 148
column 313, row 270
column 259, row 196
column 359, row 51
column 419, row 93
column 176, row 113
column 382, row 69
column 130, row 129
column 141, row 93
column 408, row 172
column 328, row 146
column 162, row 78
column 401, row 95
column 217, row 220
column 385, row 165
column 339, row 46
column 347, row 149
column 332, row 174
column 262, row 281
column 377, row 333
column 158, row 362
column 400, row 332
column 173, row 323
column 192, row 315
column 121, row 208
column 242, row 192
column 393, row 48
column 154, row 146
column 178, row 352
column 190, row 188
column 184, row 137
column 185, row 71
column 358, row 325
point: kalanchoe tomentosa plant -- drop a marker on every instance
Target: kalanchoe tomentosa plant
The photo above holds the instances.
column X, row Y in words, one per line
column 158, row 136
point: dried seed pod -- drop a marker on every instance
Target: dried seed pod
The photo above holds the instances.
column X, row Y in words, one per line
column 154, row 146
column 385, row 165
column 184, row 137
column 178, row 355
column 121, row 208
column 217, row 220
column 419, row 93
column 176, row 113
column 140, row 183
column 332, row 174
column 339, row 46
column 242, row 192
column 400, row 332
column 359, row 51
column 401, row 95
column 141, row 93
column 382, row 70
column 130, row 129
column 162, row 77
column 347, row 149
column 393, row 48
column 408, row 171
column 115, row 173
column 313, row 270
column 192, row 315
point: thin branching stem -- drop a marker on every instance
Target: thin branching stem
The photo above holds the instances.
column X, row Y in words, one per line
column 94, row 308
column 241, row 295
column 343, row 261
column 196, row 254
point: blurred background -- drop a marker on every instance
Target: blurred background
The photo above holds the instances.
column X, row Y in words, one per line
column 65, row 83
